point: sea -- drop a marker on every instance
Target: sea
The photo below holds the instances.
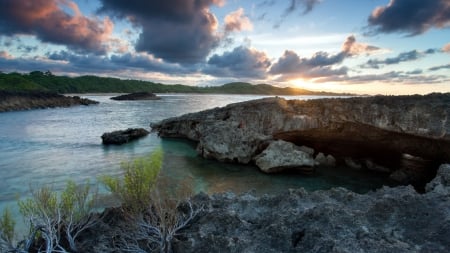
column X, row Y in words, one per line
column 48, row 147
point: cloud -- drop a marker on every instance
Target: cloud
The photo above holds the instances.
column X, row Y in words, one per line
column 292, row 66
column 410, row 16
column 446, row 48
column 181, row 31
column 49, row 22
column 394, row 77
column 237, row 21
column 352, row 47
column 402, row 57
column 242, row 62
column 447, row 66
column 304, row 5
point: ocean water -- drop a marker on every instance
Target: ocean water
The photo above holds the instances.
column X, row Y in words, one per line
column 48, row 147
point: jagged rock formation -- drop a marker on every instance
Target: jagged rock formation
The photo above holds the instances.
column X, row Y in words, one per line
column 388, row 220
column 380, row 129
column 123, row 136
column 137, row 96
column 15, row 101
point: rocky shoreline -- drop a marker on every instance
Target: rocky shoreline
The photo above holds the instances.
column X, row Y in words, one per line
column 16, row 101
column 405, row 136
column 338, row 220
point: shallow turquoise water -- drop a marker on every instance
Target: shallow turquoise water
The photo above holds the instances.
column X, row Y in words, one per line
column 42, row 147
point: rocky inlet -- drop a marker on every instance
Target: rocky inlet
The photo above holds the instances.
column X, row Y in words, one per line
column 405, row 136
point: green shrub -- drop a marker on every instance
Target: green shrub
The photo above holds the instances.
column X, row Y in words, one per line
column 59, row 220
column 7, row 226
column 140, row 177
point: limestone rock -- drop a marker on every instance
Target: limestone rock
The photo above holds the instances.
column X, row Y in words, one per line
column 281, row 155
column 226, row 141
column 441, row 181
column 327, row 160
column 123, row 136
column 379, row 128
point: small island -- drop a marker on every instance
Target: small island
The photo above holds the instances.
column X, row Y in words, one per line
column 137, row 96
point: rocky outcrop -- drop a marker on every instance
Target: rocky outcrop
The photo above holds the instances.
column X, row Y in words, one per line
column 380, row 129
column 137, row 96
column 388, row 220
column 16, row 101
column 123, row 136
column 281, row 155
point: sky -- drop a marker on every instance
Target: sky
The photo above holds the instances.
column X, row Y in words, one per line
column 384, row 47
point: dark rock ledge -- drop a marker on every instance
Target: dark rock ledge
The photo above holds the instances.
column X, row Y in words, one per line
column 388, row 220
column 137, row 96
column 405, row 136
column 123, row 136
column 16, row 101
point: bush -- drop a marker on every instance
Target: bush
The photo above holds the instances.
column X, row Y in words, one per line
column 58, row 221
column 7, row 230
column 139, row 178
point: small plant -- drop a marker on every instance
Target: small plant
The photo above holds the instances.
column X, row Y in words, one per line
column 58, row 221
column 138, row 181
column 156, row 210
column 7, row 231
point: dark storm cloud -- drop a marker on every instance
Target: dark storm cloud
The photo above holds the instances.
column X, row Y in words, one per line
column 47, row 20
column 410, row 16
column 242, row 62
column 402, row 57
column 182, row 31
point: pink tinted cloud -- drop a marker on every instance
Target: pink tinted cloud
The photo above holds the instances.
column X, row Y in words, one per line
column 49, row 22
column 237, row 21
column 446, row 48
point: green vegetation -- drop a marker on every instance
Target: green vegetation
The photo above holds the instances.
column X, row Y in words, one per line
column 152, row 214
column 46, row 81
column 7, row 226
column 138, row 181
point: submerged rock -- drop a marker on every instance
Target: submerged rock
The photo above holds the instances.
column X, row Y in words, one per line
column 137, row 96
column 123, row 136
column 379, row 128
column 281, row 155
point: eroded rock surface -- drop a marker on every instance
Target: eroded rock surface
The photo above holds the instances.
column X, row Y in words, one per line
column 380, row 129
column 388, row 220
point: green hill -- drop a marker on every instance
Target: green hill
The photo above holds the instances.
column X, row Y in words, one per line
column 46, row 81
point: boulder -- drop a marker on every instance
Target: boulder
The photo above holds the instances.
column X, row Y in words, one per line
column 123, row 136
column 281, row 155
column 137, row 96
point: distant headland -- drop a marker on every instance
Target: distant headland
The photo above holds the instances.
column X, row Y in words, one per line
column 46, row 81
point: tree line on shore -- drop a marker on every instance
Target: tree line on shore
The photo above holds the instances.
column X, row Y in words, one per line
column 47, row 81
